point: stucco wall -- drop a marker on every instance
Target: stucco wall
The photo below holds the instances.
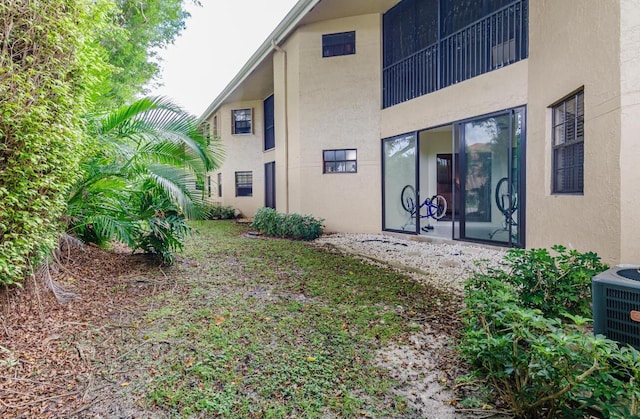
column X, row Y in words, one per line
column 334, row 104
column 213, row 198
column 630, row 130
column 432, row 144
column 242, row 153
column 575, row 43
column 494, row 91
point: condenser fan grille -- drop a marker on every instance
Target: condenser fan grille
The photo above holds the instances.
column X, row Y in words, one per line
column 616, row 305
column 620, row 327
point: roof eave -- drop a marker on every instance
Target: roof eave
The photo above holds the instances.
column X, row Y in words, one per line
column 284, row 29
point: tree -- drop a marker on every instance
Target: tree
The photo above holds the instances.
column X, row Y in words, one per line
column 50, row 67
column 140, row 29
column 139, row 185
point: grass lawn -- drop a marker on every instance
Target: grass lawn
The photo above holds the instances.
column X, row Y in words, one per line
column 260, row 327
column 273, row 328
column 239, row 327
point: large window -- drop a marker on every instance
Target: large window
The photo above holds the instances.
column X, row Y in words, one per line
column 242, row 119
column 269, row 124
column 568, row 144
column 335, row 44
column 340, row 161
column 244, row 183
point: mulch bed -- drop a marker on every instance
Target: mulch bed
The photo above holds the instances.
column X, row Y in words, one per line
column 49, row 351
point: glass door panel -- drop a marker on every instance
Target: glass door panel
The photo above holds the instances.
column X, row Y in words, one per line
column 399, row 155
column 491, row 167
column 516, row 223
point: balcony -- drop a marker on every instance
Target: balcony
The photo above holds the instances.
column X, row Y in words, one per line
column 495, row 41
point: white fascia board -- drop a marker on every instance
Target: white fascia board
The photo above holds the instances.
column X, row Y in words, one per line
column 288, row 24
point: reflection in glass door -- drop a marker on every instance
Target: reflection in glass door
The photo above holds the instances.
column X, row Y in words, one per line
column 491, row 178
column 399, row 159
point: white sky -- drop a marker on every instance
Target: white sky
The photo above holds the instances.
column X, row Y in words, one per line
column 219, row 39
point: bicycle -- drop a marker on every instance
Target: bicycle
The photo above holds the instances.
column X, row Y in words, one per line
column 507, row 204
column 434, row 207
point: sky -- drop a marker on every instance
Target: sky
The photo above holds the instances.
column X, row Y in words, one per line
column 219, row 39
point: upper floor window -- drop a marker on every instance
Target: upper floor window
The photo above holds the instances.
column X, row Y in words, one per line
column 205, row 130
column 269, row 124
column 340, row 161
column 334, row 44
column 242, row 121
column 244, row 183
column 215, row 125
column 568, row 144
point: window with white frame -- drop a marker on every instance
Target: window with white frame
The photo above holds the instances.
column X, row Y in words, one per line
column 242, row 121
column 244, row 183
column 568, row 144
column 339, row 161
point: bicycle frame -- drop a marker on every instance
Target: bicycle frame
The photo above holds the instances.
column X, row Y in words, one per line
column 434, row 207
column 431, row 209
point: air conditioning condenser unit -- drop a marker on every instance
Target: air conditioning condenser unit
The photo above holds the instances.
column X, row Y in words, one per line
column 616, row 304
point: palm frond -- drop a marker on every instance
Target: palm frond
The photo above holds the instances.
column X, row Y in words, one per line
column 151, row 140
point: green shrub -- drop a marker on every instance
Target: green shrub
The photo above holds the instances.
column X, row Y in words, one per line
column 49, row 69
column 294, row 226
column 539, row 365
column 553, row 284
column 218, row 212
column 162, row 227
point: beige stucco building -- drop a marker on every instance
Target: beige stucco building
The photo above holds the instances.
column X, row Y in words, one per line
column 524, row 115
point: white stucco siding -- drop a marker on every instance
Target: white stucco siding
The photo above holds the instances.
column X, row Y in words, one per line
column 575, row 43
column 338, row 108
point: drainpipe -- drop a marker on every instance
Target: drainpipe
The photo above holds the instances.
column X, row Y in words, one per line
column 286, row 124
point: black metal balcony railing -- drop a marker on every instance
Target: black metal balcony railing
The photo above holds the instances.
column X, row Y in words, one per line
column 495, row 41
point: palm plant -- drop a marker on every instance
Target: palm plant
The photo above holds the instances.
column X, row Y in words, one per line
column 139, row 177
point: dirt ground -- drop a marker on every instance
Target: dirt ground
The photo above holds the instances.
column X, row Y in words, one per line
column 67, row 360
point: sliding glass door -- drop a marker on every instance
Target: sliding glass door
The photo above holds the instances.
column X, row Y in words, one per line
column 400, row 174
column 491, row 172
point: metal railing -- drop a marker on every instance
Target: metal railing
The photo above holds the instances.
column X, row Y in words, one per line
column 490, row 43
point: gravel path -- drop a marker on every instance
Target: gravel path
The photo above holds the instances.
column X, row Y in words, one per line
column 444, row 265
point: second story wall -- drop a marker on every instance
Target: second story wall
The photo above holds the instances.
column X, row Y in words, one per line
column 334, row 104
column 242, row 154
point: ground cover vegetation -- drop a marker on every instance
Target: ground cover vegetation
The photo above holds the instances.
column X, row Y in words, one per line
column 62, row 63
column 238, row 327
column 526, row 337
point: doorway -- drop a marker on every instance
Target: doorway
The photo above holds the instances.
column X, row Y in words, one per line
column 270, row 185
column 476, row 165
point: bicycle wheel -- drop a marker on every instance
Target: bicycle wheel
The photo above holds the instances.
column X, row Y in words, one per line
column 408, row 199
column 439, row 204
column 506, row 204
